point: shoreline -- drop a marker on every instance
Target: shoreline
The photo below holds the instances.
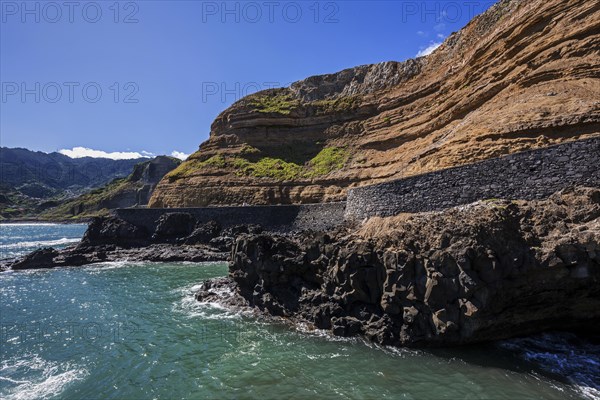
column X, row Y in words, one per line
column 38, row 221
column 422, row 279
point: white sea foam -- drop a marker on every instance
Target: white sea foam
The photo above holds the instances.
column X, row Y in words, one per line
column 43, row 378
column 30, row 224
column 101, row 266
column 40, row 243
column 188, row 305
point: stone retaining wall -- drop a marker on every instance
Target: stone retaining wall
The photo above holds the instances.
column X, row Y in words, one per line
column 528, row 175
column 283, row 218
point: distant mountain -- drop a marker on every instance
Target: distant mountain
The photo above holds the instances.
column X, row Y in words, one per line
column 45, row 175
column 132, row 191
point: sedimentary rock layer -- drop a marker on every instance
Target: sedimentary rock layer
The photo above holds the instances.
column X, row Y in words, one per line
column 522, row 75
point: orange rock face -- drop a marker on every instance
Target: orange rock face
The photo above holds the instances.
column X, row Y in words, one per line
column 524, row 74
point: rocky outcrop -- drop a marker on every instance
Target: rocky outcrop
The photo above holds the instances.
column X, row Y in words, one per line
column 359, row 80
column 486, row 271
column 42, row 258
column 522, row 75
column 148, row 174
column 133, row 191
column 111, row 230
column 175, row 237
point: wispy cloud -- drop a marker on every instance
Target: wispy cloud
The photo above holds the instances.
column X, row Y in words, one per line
column 179, row 154
column 429, row 49
column 79, row 152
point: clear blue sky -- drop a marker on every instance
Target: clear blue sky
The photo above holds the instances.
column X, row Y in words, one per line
column 176, row 58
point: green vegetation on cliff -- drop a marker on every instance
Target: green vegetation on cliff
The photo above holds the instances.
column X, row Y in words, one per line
column 328, row 160
column 90, row 204
column 268, row 167
column 280, row 102
column 283, row 102
column 190, row 167
column 250, row 163
column 337, row 105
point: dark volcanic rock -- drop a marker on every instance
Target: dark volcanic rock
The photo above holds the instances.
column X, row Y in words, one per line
column 113, row 239
column 174, row 225
column 203, row 233
column 103, row 230
column 42, row 258
column 481, row 272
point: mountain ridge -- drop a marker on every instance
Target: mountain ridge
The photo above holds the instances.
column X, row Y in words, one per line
column 55, row 186
column 131, row 191
column 20, row 166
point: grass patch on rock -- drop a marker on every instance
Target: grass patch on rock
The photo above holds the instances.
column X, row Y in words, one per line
column 279, row 102
column 340, row 104
column 249, row 162
column 268, row 167
column 185, row 169
column 328, row 160
column 190, row 167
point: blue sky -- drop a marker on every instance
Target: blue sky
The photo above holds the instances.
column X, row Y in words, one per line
column 150, row 76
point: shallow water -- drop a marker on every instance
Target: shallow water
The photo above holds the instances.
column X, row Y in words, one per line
column 134, row 330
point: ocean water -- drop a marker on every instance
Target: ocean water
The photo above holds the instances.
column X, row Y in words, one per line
column 19, row 239
column 134, row 331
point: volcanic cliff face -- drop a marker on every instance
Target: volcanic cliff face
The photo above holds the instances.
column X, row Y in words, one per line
column 522, row 75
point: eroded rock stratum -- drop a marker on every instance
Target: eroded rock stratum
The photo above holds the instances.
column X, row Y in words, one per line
column 522, row 75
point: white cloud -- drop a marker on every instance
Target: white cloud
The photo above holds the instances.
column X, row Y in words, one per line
column 179, row 154
column 78, row 152
column 440, row 35
column 429, row 49
column 421, row 33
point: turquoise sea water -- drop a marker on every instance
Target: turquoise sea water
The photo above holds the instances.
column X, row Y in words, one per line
column 134, row 331
column 19, row 239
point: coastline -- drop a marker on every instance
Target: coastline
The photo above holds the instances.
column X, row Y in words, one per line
column 482, row 272
column 44, row 221
column 423, row 279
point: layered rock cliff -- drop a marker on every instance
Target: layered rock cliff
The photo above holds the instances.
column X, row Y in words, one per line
column 522, row 75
